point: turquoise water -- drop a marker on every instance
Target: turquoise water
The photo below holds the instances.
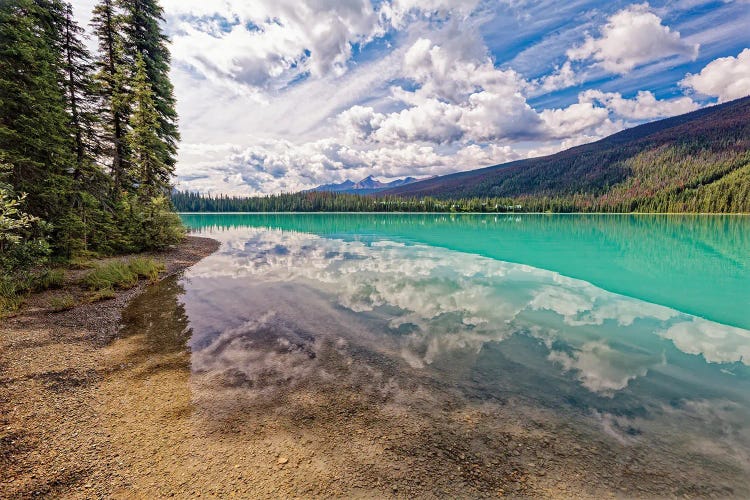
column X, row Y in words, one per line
column 638, row 326
column 696, row 264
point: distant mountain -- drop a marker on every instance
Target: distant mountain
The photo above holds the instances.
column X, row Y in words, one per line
column 368, row 185
column 699, row 161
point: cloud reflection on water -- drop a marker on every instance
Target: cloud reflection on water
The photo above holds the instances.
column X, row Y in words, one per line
column 448, row 301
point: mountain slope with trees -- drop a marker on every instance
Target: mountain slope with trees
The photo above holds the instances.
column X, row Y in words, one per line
column 87, row 142
column 698, row 162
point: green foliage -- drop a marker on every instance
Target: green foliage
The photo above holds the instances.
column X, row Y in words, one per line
column 146, row 268
column 122, row 274
column 50, row 279
column 143, row 38
column 150, row 171
column 163, row 227
column 61, row 303
column 86, row 144
column 23, row 247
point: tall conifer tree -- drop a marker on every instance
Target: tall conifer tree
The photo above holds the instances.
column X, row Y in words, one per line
column 145, row 37
column 81, row 98
column 112, row 78
column 34, row 124
column 145, row 144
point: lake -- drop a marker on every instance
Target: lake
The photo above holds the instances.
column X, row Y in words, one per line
column 477, row 354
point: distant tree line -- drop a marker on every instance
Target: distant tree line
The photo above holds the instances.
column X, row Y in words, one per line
column 732, row 195
column 87, row 141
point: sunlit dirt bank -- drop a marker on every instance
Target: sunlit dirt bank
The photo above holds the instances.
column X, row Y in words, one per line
column 54, row 368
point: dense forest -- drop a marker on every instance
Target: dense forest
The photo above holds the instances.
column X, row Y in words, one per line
column 87, row 141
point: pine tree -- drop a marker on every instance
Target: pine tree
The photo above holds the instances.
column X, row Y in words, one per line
column 145, row 38
column 147, row 149
column 81, row 98
column 34, row 124
column 112, row 79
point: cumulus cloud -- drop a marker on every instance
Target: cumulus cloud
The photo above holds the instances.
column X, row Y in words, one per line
column 574, row 119
column 726, row 78
column 282, row 95
column 458, row 98
column 632, row 37
column 562, row 77
column 643, row 106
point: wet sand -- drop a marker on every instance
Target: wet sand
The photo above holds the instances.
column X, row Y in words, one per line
column 89, row 410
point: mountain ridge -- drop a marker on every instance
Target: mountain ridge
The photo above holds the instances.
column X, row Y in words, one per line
column 665, row 159
column 368, row 185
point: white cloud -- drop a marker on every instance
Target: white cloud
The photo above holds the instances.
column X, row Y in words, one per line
column 717, row 343
column 726, row 78
column 632, row 37
column 459, row 98
column 644, row 106
column 286, row 95
column 270, row 41
column 574, row 119
column 563, row 77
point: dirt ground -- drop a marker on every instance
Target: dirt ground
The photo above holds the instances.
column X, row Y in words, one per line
column 53, row 367
column 88, row 410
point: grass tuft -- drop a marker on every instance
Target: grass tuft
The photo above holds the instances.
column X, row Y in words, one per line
column 62, row 303
column 146, row 268
column 122, row 274
column 113, row 275
column 50, row 279
column 10, row 297
column 103, row 294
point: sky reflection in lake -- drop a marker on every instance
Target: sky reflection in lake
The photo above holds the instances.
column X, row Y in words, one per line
column 263, row 306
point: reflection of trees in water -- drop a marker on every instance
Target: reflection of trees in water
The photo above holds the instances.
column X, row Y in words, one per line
column 160, row 316
column 647, row 234
column 656, row 245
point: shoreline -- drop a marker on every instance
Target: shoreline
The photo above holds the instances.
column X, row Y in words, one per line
column 52, row 366
column 691, row 214
column 108, row 401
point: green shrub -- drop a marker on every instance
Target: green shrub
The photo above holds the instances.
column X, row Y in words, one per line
column 113, row 275
column 62, row 303
column 146, row 268
column 50, row 279
column 103, row 294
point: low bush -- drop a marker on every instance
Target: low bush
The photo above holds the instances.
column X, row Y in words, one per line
column 146, row 268
column 122, row 274
column 50, row 279
column 62, row 303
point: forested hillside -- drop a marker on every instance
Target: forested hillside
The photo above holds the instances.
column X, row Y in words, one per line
column 695, row 162
column 87, row 141
column 698, row 162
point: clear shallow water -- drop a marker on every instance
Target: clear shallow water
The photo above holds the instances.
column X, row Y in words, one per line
column 636, row 327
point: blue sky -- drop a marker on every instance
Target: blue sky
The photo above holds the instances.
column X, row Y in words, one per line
column 282, row 95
